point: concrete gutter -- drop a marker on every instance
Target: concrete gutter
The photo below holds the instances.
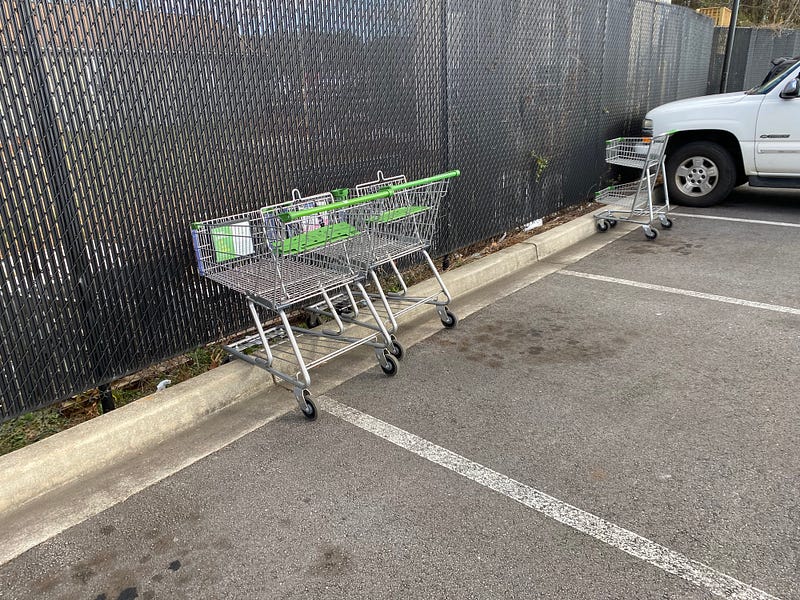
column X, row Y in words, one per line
column 90, row 447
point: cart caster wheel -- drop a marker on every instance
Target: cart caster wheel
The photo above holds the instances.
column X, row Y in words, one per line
column 612, row 222
column 602, row 225
column 666, row 223
column 313, row 321
column 390, row 368
column 310, row 412
column 396, row 349
column 450, row 319
column 650, row 234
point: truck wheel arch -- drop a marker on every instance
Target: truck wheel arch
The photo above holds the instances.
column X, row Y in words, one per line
column 724, row 138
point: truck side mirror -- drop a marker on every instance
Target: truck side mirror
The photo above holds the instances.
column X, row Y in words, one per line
column 792, row 90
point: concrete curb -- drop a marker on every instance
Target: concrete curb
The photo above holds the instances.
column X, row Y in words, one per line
column 87, row 448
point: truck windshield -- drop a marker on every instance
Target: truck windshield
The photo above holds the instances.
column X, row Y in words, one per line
column 779, row 72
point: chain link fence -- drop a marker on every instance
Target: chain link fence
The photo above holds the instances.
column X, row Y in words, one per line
column 124, row 122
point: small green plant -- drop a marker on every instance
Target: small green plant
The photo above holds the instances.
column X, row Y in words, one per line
column 540, row 164
column 30, row 428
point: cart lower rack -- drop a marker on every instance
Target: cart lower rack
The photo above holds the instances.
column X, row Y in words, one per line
column 282, row 258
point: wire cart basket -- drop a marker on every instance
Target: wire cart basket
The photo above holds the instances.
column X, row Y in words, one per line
column 635, row 202
column 281, row 258
column 342, row 307
column 399, row 225
column 405, row 226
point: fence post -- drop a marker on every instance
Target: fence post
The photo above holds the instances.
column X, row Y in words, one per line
column 66, row 207
column 726, row 63
column 106, row 398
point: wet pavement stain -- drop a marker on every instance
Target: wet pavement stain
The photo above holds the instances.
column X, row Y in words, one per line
column 126, row 594
column 661, row 244
column 332, row 561
column 82, row 573
column 85, row 570
column 543, row 340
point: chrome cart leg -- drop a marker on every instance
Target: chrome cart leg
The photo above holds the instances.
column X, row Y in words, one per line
column 386, row 359
column 666, row 187
column 261, row 334
column 448, row 319
column 334, row 315
column 300, row 382
column 353, row 314
column 301, row 394
column 384, row 301
column 399, row 278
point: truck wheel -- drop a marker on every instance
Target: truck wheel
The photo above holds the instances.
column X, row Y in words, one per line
column 700, row 174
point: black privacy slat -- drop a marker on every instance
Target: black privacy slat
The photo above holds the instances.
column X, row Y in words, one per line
column 125, row 121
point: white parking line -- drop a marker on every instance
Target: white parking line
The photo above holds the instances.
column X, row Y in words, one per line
column 681, row 292
column 736, row 220
column 631, row 543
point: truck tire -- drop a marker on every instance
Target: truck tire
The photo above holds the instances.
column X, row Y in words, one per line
column 699, row 174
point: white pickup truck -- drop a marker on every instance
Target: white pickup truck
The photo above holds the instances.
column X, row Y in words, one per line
column 726, row 140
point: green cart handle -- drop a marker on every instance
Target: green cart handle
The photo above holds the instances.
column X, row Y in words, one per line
column 294, row 215
column 432, row 179
column 386, row 192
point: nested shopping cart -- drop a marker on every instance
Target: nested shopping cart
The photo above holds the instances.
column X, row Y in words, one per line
column 398, row 226
column 404, row 226
column 636, row 202
column 343, row 307
column 281, row 258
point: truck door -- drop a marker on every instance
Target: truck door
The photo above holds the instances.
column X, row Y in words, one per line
column 778, row 135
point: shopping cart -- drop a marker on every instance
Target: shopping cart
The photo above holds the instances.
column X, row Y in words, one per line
column 636, row 202
column 281, row 258
column 399, row 225
column 404, row 225
column 342, row 307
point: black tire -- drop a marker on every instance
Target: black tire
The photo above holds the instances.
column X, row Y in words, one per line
column 451, row 320
column 650, row 234
column 666, row 223
column 311, row 414
column 602, row 225
column 612, row 222
column 700, row 174
column 390, row 369
column 396, row 349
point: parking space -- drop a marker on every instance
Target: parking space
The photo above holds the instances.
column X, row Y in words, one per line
column 583, row 437
column 671, row 413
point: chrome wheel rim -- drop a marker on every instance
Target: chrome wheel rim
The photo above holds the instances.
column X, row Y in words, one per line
column 697, row 176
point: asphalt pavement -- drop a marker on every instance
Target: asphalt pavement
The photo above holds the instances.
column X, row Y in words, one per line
column 625, row 427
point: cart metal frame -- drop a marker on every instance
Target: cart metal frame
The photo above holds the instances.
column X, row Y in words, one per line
column 634, row 202
column 281, row 258
column 406, row 227
column 400, row 225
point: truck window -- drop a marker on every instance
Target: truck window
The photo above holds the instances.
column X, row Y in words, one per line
column 778, row 73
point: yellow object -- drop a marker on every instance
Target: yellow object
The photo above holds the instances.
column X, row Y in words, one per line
column 720, row 14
